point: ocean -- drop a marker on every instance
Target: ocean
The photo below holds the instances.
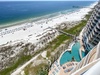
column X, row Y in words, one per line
column 17, row 11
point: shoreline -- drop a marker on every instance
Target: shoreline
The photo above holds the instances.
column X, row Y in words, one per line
column 34, row 19
column 39, row 18
column 29, row 31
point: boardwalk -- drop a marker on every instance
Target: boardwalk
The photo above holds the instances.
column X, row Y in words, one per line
column 68, row 34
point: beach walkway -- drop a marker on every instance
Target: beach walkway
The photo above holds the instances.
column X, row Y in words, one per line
column 68, row 34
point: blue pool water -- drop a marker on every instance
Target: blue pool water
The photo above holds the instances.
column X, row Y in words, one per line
column 67, row 56
column 75, row 51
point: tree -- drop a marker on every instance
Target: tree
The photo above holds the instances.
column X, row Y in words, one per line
column 73, row 59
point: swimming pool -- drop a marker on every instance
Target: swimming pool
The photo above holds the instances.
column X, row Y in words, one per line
column 68, row 55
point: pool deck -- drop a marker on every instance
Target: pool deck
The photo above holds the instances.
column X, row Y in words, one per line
column 65, row 69
column 55, row 69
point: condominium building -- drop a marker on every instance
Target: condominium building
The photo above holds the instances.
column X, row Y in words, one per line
column 91, row 33
column 88, row 62
column 90, row 42
column 89, row 65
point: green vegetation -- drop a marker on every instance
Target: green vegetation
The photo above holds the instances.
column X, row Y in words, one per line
column 51, row 46
column 58, row 41
column 41, row 69
column 61, row 38
column 48, row 54
column 88, row 15
column 15, row 65
column 76, row 30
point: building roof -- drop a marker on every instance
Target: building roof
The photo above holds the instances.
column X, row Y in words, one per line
column 94, row 70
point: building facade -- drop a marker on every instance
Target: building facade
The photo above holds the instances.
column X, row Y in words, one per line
column 87, row 62
column 90, row 41
column 91, row 33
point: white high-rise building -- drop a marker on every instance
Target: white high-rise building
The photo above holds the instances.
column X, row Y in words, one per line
column 91, row 36
column 90, row 64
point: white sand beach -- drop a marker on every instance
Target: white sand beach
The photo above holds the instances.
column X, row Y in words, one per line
column 31, row 32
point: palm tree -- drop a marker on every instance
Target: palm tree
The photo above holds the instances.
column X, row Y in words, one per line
column 73, row 59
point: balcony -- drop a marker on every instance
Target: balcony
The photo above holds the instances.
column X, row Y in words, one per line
column 96, row 9
column 91, row 24
column 91, row 35
column 98, row 27
column 95, row 32
column 94, row 42
column 93, row 16
column 92, row 27
column 96, row 19
column 98, row 4
column 90, row 30
column 94, row 23
column 98, row 37
column 98, row 14
column 98, row 30
column 95, row 29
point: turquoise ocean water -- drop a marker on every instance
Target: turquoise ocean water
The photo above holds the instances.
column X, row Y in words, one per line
column 18, row 11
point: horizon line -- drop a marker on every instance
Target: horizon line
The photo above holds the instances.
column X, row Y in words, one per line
column 45, row 0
